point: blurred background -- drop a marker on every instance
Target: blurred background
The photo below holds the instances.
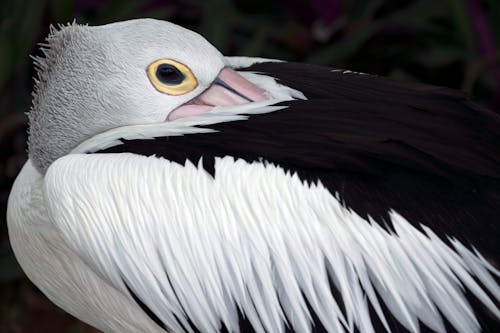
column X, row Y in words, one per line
column 453, row 43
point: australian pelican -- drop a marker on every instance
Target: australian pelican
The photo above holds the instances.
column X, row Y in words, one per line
column 170, row 188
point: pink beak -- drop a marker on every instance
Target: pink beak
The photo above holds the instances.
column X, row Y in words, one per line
column 229, row 88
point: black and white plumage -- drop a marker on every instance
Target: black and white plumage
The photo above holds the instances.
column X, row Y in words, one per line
column 346, row 202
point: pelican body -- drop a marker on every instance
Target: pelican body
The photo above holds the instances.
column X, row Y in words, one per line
column 172, row 189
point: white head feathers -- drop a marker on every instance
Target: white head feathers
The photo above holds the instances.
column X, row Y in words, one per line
column 94, row 78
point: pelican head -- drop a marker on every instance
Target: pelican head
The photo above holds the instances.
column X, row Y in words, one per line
column 141, row 71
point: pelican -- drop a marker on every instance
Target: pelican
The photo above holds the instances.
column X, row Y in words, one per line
column 172, row 189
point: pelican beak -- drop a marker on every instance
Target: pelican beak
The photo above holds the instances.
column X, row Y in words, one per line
column 229, row 88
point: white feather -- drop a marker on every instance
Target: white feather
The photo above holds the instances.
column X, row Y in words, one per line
column 250, row 239
column 182, row 126
column 241, row 62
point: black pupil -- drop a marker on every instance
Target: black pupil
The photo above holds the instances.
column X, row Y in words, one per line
column 169, row 74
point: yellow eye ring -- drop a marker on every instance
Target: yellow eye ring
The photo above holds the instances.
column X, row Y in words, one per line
column 171, row 77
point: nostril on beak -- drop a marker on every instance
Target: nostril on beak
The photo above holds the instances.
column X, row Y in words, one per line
column 224, row 85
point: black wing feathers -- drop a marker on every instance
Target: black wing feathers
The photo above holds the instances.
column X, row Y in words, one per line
column 426, row 152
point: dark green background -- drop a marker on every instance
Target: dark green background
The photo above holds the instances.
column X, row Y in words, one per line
column 452, row 43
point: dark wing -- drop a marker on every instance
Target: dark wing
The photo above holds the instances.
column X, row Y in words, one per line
column 427, row 152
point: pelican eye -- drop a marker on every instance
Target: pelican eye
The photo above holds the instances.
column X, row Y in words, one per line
column 171, row 77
